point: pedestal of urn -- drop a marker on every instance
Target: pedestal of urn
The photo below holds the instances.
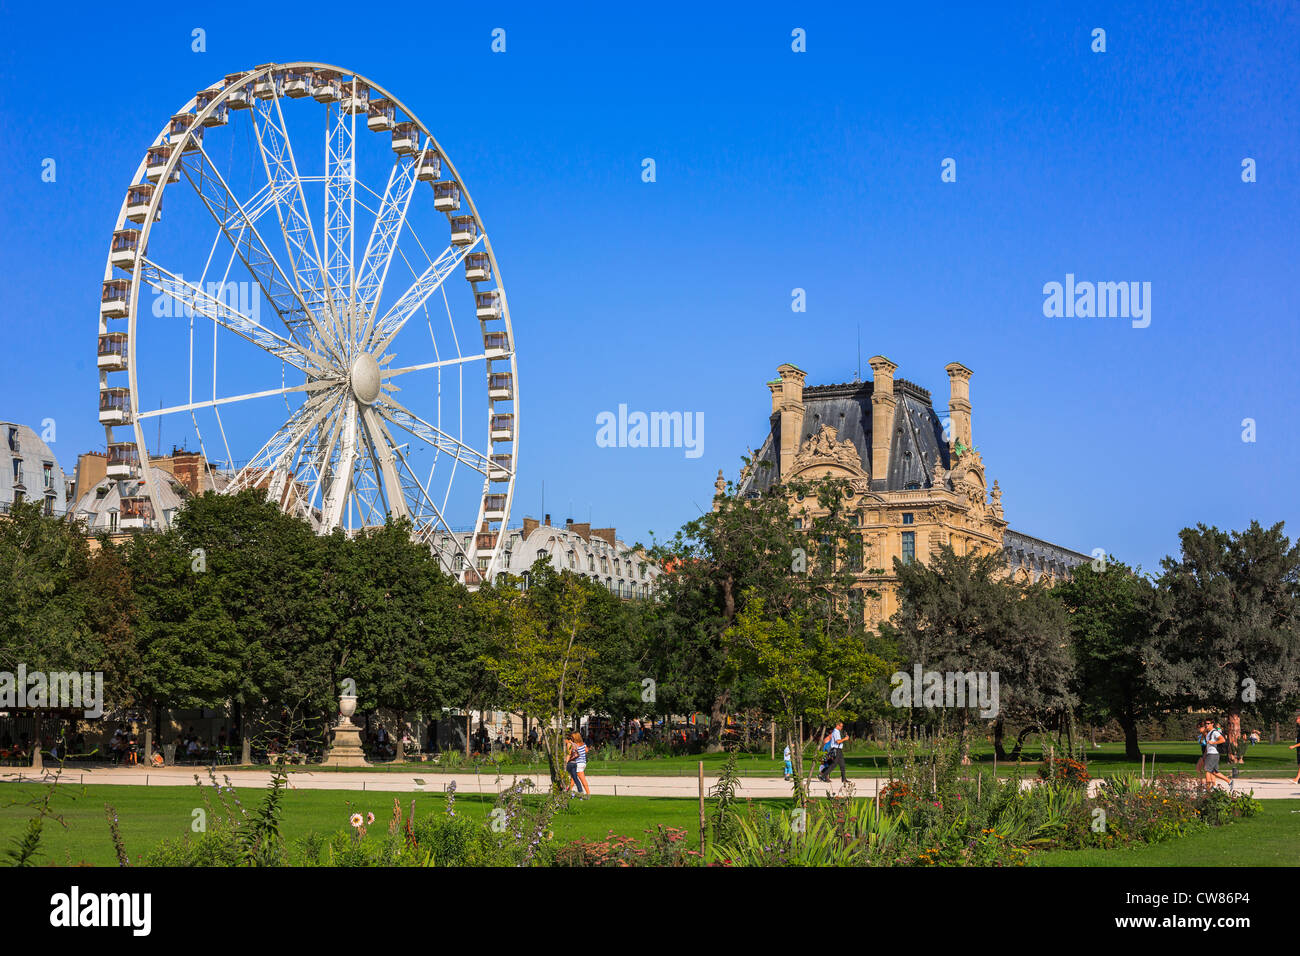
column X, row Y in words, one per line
column 345, row 749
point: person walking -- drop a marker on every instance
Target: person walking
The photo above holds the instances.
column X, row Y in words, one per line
column 1214, row 739
column 571, row 763
column 835, row 756
column 580, row 764
column 789, row 767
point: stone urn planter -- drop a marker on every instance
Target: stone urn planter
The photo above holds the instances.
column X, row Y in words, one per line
column 345, row 749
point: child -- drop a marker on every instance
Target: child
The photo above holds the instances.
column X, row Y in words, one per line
column 789, row 767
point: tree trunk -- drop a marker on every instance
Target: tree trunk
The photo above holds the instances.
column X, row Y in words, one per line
column 1131, row 749
column 999, row 730
column 717, row 721
column 399, row 751
column 38, row 762
column 469, row 727
column 1020, row 740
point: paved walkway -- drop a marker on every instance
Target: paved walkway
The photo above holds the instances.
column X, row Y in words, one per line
column 468, row 782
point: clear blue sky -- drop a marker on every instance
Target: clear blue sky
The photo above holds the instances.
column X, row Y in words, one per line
column 775, row 170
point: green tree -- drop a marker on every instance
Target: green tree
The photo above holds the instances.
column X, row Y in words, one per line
column 805, row 671
column 1111, row 618
column 1228, row 630
column 961, row 614
column 794, row 546
column 47, row 614
column 542, row 654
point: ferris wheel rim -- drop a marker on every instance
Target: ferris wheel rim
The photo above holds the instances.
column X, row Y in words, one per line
column 222, row 92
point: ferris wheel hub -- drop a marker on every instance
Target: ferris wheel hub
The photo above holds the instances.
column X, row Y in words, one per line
column 365, row 378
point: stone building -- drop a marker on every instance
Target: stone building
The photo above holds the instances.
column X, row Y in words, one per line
column 917, row 480
column 112, row 502
column 29, row 471
column 596, row 553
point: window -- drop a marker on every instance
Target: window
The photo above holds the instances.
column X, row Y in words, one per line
column 909, row 547
column 855, row 553
column 591, row 562
column 49, row 505
column 112, row 520
column 798, row 524
column 907, row 518
column 13, row 440
column 48, row 475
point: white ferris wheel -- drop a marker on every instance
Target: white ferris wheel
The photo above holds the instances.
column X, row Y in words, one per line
column 290, row 317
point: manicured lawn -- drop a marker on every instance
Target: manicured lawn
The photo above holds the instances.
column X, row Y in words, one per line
column 149, row 814
column 1270, row 838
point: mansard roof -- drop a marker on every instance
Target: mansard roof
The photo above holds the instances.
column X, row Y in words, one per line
column 917, row 436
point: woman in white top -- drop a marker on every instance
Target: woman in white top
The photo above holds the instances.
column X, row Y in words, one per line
column 580, row 761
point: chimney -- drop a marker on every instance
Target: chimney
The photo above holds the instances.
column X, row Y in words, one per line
column 530, row 525
column 547, row 522
column 959, row 403
column 774, row 387
column 791, row 409
column 882, row 418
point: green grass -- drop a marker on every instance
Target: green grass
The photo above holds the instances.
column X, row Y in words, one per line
column 149, row 814
column 1270, row 838
column 1263, row 760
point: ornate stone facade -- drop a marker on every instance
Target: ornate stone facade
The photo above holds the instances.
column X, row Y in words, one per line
column 918, row 482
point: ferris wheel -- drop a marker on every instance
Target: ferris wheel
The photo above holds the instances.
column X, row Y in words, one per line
column 290, row 318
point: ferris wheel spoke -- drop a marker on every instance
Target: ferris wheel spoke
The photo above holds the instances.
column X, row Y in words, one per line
column 322, row 461
column 336, row 493
column 427, row 516
column 301, row 422
column 441, row 363
column 290, row 204
column 193, row 298
column 340, row 208
column 412, row 299
column 408, row 421
column 240, row 230
column 381, row 443
column 230, row 399
column 384, row 235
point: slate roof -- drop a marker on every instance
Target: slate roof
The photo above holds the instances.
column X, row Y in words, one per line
column 916, row 445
